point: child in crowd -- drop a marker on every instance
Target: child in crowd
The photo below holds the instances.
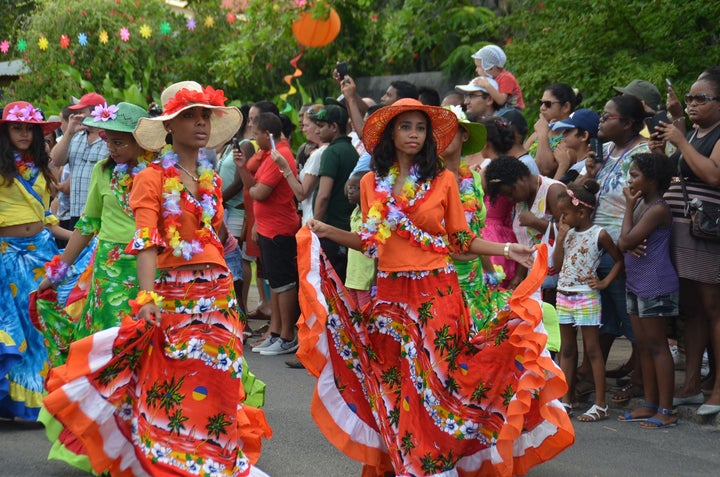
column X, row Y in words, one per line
column 652, row 284
column 490, row 63
column 360, row 274
column 577, row 254
column 577, row 130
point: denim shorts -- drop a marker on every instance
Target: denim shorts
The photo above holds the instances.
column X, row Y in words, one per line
column 663, row 305
column 234, row 264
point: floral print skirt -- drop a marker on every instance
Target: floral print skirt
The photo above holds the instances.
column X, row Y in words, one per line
column 407, row 386
column 167, row 399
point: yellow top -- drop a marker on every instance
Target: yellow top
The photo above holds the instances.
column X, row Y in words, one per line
column 18, row 206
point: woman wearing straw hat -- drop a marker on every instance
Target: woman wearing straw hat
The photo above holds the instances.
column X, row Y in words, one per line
column 26, row 243
column 406, row 387
column 166, row 386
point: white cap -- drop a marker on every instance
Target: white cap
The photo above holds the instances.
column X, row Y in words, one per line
column 472, row 86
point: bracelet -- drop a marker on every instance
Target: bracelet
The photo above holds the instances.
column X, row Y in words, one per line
column 56, row 270
column 287, row 173
column 143, row 298
column 506, row 250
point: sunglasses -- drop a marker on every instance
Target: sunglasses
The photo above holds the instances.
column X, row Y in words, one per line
column 699, row 98
column 547, row 104
column 606, row 117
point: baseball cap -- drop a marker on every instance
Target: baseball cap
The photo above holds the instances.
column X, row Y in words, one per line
column 471, row 87
column 332, row 112
column 643, row 90
column 88, row 100
column 585, row 119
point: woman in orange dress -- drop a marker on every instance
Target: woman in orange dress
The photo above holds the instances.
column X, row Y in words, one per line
column 163, row 393
column 405, row 386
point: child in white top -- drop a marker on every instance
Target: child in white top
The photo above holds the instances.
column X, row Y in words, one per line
column 578, row 249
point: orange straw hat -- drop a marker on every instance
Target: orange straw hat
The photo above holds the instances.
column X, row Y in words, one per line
column 224, row 122
column 444, row 123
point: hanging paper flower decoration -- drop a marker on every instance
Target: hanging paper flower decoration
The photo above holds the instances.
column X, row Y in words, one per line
column 191, row 24
column 43, row 43
column 231, row 17
column 165, row 28
column 5, row 46
column 145, row 31
column 209, row 21
column 82, row 39
column 22, row 45
column 124, row 34
column 104, row 37
column 64, row 41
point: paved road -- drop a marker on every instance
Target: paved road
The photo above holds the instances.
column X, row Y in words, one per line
column 297, row 449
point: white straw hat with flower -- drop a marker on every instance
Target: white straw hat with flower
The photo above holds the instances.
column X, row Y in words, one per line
column 224, row 122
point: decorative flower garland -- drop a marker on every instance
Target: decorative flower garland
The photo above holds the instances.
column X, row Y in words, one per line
column 56, row 270
column 26, row 166
column 121, row 181
column 184, row 97
column 470, row 202
column 205, row 209
column 387, row 212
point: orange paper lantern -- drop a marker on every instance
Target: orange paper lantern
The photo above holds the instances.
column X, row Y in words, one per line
column 312, row 32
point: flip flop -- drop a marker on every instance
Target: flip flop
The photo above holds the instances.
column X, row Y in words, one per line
column 653, row 423
column 628, row 417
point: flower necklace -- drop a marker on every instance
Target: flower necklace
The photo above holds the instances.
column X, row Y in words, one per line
column 471, row 205
column 121, row 181
column 26, row 166
column 387, row 212
column 204, row 209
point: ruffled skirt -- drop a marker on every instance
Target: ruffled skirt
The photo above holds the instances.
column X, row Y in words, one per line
column 406, row 386
column 169, row 399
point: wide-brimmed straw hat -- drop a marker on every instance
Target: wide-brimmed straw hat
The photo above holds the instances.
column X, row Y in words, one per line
column 122, row 117
column 444, row 123
column 224, row 123
column 24, row 112
column 476, row 132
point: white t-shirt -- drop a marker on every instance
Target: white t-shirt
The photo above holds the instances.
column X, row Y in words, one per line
column 312, row 167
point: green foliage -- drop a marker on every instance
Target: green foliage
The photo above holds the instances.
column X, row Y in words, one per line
column 136, row 70
column 597, row 45
column 14, row 17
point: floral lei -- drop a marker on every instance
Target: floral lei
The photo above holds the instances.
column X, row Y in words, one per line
column 121, row 181
column 387, row 212
column 469, row 199
column 205, row 209
column 26, row 166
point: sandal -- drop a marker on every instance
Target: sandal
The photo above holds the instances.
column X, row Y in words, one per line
column 568, row 408
column 628, row 417
column 594, row 414
column 584, row 388
column 654, row 423
column 626, row 393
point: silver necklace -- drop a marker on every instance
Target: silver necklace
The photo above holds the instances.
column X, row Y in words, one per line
column 192, row 176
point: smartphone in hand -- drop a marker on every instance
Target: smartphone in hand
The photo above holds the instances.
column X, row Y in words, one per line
column 597, row 147
column 342, row 69
column 272, row 142
column 668, row 83
column 654, row 121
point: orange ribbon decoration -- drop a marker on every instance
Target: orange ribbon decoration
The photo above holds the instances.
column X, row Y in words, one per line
column 296, row 74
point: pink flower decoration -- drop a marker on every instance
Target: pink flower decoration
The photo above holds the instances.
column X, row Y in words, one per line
column 26, row 114
column 124, row 34
column 191, row 24
column 103, row 112
column 4, row 46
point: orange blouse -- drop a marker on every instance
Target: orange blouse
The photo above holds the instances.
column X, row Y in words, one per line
column 146, row 201
column 440, row 213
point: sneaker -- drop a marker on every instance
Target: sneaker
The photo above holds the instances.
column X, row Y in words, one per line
column 705, row 368
column 280, row 347
column 267, row 342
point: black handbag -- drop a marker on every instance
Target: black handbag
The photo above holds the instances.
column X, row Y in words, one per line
column 704, row 217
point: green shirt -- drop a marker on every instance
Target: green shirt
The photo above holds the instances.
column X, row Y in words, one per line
column 103, row 208
column 338, row 161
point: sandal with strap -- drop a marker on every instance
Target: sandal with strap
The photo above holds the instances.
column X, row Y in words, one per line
column 628, row 417
column 626, row 393
column 594, row 414
column 654, row 423
column 568, row 408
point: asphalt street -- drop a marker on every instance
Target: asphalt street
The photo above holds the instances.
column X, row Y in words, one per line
column 606, row 448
